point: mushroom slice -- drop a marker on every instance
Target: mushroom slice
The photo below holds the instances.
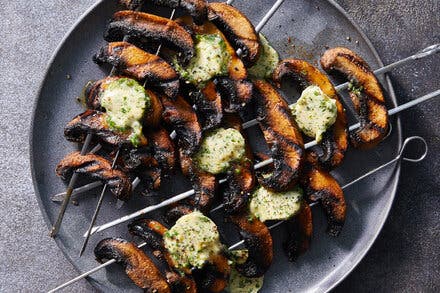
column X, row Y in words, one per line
column 182, row 117
column 365, row 93
column 146, row 28
column 258, row 242
column 319, row 185
column 196, row 8
column 299, row 233
column 94, row 90
column 208, row 104
column 283, row 137
column 163, row 149
column 131, row 4
column 95, row 122
column 138, row 266
column 238, row 30
column 335, row 141
column 241, row 177
column 205, row 184
column 96, row 167
column 178, row 211
column 140, row 65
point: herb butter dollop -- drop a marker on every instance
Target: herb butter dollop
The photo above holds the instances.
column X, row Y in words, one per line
column 314, row 112
column 241, row 284
column 210, row 59
column 219, row 149
column 268, row 205
column 192, row 241
column 267, row 62
column 125, row 102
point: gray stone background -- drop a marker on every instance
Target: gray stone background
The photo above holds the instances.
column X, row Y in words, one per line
column 406, row 256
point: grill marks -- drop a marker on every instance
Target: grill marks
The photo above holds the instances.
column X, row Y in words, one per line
column 335, row 140
column 238, row 30
column 241, row 176
column 145, row 28
column 140, row 65
column 96, row 167
column 138, row 266
column 95, row 122
column 321, row 186
column 283, row 137
column 368, row 101
column 258, row 242
column 182, row 117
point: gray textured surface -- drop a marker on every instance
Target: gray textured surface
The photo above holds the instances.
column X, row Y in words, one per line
column 406, row 255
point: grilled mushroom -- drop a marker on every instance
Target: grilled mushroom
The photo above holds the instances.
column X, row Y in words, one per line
column 196, row 8
column 140, row 65
column 96, row 167
column 211, row 278
column 319, row 185
column 365, row 93
column 238, row 30
column 205, row 184
column 182, row 118
column 95, row 122
column 283, row 137
column 299, row 231
column 241, row 176
column 163, row 149
column 208, row 104
column 93, row 92
column 335, row 141
column 258, row 242
column 138, row 266
column 235, row 88
column 145, row 28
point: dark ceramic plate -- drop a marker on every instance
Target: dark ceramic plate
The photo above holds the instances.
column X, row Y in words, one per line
column 310, row 26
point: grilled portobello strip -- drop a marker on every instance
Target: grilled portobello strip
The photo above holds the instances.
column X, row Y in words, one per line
column 96, row 167
column 365, row 93
column 196, row 8
column 282, row 135
column 138, row 266
column 140, row 65
column 335, row 141
column 208, row 104
column 212, row 277
column 319, row 185
column 205, row 184
column 241, row 177
column 163, row 149
column 146, row 28
column 131, row 4
column 152, row 232
column 178, row 211
column 136, row 159
column 95, row 122
column 299, row 233
column 258, row 242
column 238, row 30
column 183, row 119
column 235, row 89
column 93, row 92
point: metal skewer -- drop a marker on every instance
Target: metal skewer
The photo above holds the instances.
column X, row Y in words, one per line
column 400, row 156
column 101, row 197
column 56, row 227
column 428, row 51
column 256, row 166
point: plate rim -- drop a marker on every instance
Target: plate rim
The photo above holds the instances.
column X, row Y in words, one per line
column 328, row 283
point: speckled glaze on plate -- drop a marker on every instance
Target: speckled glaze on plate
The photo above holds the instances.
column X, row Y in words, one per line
column 301, row 29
